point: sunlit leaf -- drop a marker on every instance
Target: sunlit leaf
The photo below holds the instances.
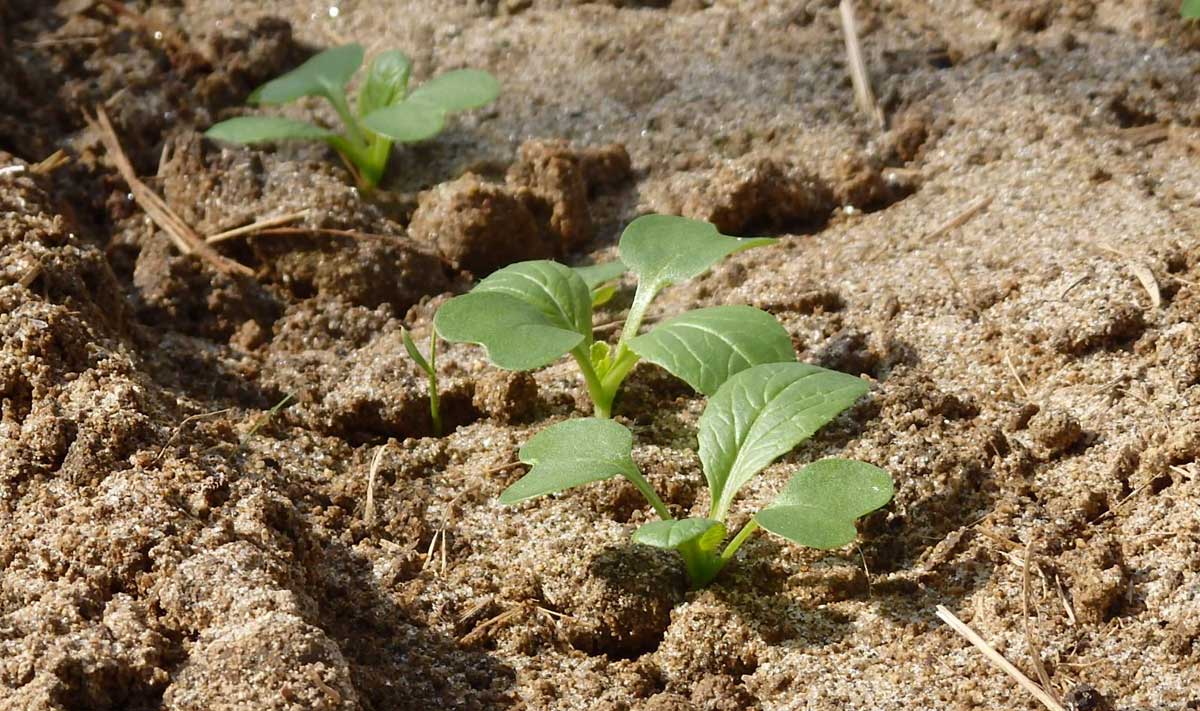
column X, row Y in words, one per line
column 260, row 129
column 676, row 533
column 408, row 121
column 705, row 347
column 762, row 413
column 322, row 75
column 517, row 336
column 664, row 250
column 386, row 82
column 596, row 274
column 458, row 90
column 820, row 503
column 572, row 453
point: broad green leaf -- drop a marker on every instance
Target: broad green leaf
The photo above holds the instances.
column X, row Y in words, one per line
column 762, row 413
column 820, row 503
column 675, row 533
column 554, row 289
column 572, row 453
column 458, row 90
column 664, row 250
column 517, row 336
column 706, row 347
column 321, row 75
column 414, row 353
column 258, row 129
column 1190, row 9
column 408, row 121
column 595, row 275
column 386, row 82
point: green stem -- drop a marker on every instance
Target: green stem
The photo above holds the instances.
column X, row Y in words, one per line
column 732, row 549
column 651, row 495
column 353, row 132
column 601, row 398
column 435, row 400
column 633, row 321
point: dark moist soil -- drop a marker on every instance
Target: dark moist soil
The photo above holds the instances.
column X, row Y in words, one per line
column 1034, row 360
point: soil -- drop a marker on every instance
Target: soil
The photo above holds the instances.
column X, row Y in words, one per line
column 1011, row 261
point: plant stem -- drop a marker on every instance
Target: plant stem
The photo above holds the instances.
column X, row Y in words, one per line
column 435, row 400
column 602, row 398
column 651, row 495
column 731, row 549
column 633, row 321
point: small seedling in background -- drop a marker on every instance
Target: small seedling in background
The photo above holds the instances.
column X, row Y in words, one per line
column 430, row 368
column 530, row 314
column 757, row 416
column 387, row 111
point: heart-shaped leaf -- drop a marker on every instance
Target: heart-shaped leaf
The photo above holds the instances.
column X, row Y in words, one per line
column 820, row 503
column 572, row 453
column 408, row 121
column 517, row 336
column 762, row 413
column 664, row 250
column 706, row 347
column 675, row 533
column 322, row 75
column 458, row 90
column 258, row 129
column 386, row 82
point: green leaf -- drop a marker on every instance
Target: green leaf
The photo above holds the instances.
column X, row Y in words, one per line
column 1190, row 9
column 595, row 275
column 664, row 250
column 572, row 453
column 408, row 121
column 762, row 413
column 706, row 347
column 602, row 294
column 321, row 75
column 459, row 90
column 517, row 336
column 259, row 129
column 386, row 82
column 554, row 289
column 414, row 353
column 820, row 503
column 675, row 533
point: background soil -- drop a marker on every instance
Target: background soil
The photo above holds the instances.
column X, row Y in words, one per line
column 165, row 546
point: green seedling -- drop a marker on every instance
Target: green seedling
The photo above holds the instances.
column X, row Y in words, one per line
column 530, row 314
column 430, row 368
column 1190, row 9
column 755, row 417
column 386, row 110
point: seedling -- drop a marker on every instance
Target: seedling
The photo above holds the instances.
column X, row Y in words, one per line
column 386, row 110
column 1190, row 9
column 530, row 314
column 430, row 368
column 758, row 415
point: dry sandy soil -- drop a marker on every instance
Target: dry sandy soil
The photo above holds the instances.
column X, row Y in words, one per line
column 1012, row 262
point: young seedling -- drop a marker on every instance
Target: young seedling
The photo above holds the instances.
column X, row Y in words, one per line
column 430, row 368
column 757, row 416
column 386, row 110
column 530, row 314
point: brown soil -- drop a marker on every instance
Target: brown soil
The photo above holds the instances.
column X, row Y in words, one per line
column 166, row 545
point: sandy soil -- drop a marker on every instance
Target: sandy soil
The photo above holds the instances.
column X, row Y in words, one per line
column 1012, row 262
